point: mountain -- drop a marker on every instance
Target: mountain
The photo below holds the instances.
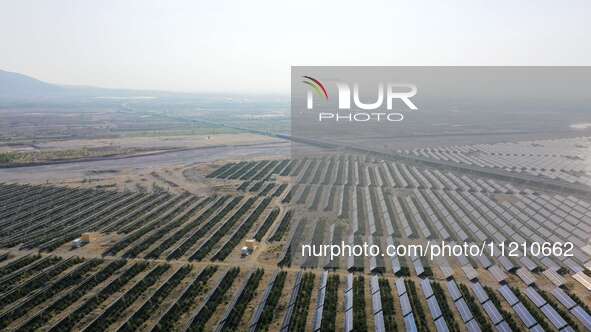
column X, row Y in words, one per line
column 15, row 87
column 18, row 86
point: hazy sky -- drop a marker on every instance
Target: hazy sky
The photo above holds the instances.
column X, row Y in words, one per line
column 249, row 46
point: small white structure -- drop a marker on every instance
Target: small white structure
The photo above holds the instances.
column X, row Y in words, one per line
column 245, row 251
column 77, row 243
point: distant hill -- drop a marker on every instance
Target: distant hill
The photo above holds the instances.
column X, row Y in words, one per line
column 17, row 86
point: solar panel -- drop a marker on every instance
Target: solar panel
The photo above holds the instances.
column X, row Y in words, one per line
column 583, row 279
column 405, row 305
column 318, row 319
column 379, row 322
column 527, row 319
column 526, row 276
column 409, row 322
column 497, row 273
column 492, row 312
column 486, row 263
column 535, row 297
column 419, row 269
column 480, row 293
column 349, row 320
column 287, row 318
column 554, row 277
column 564, row 298
column 507, row 264
column 508, row 295
column 454, row 291
column 348, row 300
column 503, row 327
column 321, row 296
column 574, row 266
column 349, row 285
column 396, row 267
column 470, row 272
column 351, row 263
column 400, row 287
column 376, row 302
column 462, row 259
column 582, row 316
column 554, row 317
column 426, row 286
column 464, row 310
column 434, row 307
column 537, row 328
column 323, row 279
column 550, row 264
column 441, row 325
column 472, row 326
column 374, row 284
column 447, row 271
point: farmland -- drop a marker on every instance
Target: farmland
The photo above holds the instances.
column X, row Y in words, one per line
column 171, row 260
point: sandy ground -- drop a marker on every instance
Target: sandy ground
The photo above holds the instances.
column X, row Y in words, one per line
column 188, row 141
column 100, row 169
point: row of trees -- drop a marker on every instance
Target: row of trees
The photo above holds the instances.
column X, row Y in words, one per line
column 13, row 275
column 69, row 321
column 25, row 201
column 187, row 229
column 236, row 309
column 36, row 282
column 169, row 319
column 227, row 248
column 283, row 226
column 206, row 246
column 508, row 317
column 152, row 304
column 47, row 292
column 475, row 309
column 417, row 307
column 191, row 240
column 134, row 212
column 439, row 294
column 167, row 228
column 262, row 230
column 72, row 296
column 563, row 313
column 533, row 309
column 117, row 308
column 268, row 306
column 155, row 215
column 34, row 226
column 300, row 308
column 211, row 302
column 387, row 305
column 329, row 307
column 579, row 302
column 359, row 316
